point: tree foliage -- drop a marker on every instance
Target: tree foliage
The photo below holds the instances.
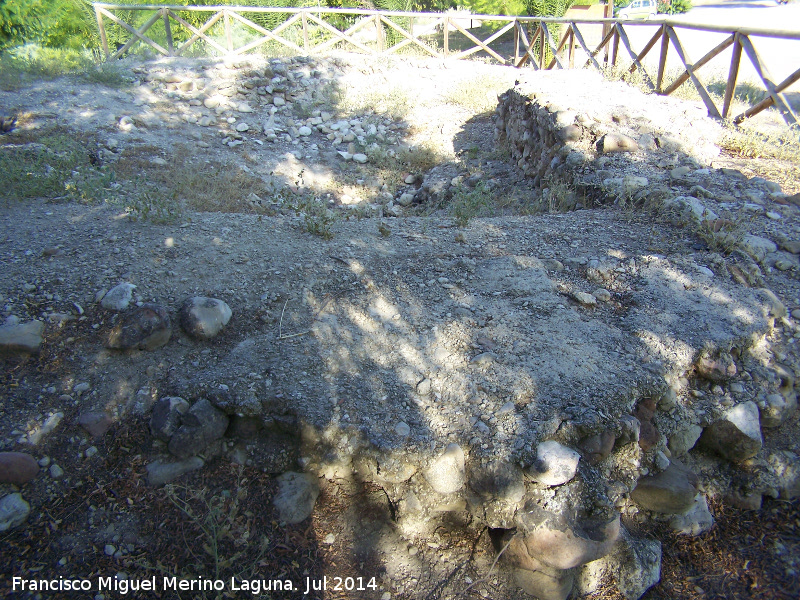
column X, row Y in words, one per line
column 19, row 21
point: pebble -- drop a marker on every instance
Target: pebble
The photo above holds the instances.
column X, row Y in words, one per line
column 402, row 429
column 56, row 472
column 330, row 539
column 119, row 297
column 14, row 510
column 602, row 295
column 360, row 158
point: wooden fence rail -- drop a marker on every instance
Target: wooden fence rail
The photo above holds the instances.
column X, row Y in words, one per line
column 542, row 43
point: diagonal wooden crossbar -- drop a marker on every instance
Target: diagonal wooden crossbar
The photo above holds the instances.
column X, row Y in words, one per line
column 529, row 46
column 690, row 70
column 635, row 58
column 773, row 91
column 339, row 36
column 346, row 36
column 267, row 35
column 477, row 42
column 138, row 34
column 410, row 37
column 199, row 33
column 485, row 43
column 767, row 102
column 592, row 60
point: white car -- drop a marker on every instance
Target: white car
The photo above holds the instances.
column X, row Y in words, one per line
column 638, row 9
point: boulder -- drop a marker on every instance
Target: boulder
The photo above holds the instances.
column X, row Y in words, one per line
column 95, row 422
column 201, row 425
column 671, row 492
column 147, row 327
column 737, row 435
column 21, row 338
column 297, row 494
column 555, row 464
column 17, row 467
column 203, row 318
column 533, row 576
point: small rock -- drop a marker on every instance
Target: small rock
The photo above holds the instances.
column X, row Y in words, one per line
column 13, row 511
column 297, row 494
column 204, row 318
column 360, row 158
column 684, row 440
column 147, row 327
column 679, row 172
column 402, row 429
column 695, row 521
column 556, row 464
column 118, row 297
column 447, row 474
column 584, row 298
column 17, row 468
column 200, row 425
column 96, row 423
column 758, row 247
column 719, row 369
column 405, row 199
column 737, row 435
column 304, row 131
column 672, row 491
column 602, row 295
column 244, row 107
column 598, row 447
column 777, row 409
column 159, row 473
column 109, row 550
column 484, row 359
column 167, row 416
column 424, row 387
column 56, row 472
column 616, row 142
column 242, row 127
column 21, row 338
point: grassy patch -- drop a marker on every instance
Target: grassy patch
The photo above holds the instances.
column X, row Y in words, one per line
column 470, row 203
column 58, row 166
column 479, row 95
column 26, row 64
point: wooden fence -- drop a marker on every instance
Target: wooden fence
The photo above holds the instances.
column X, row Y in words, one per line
column 541, row 43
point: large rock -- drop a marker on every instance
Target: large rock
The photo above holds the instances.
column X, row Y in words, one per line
column 21, row 338
column 13, row 511
column 203, row 318
column 17, row 467
column 737, row 435
column 201, row 425
column 159, row 472
column 561, row 543
column 634, row 564
column 146, row 328
column 671, row 492
column 447, row 473
column 555, row 464
column 95, row 422
column 533, row 576
column 297, row 493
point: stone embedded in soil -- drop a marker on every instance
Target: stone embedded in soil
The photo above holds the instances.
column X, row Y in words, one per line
column 616, row 142
column 96, row 423
column 17, row 467
column 670, row 492
column 447, row 475
column 13, row 511
column 648, row 434
column 147, row 327
column 555, row 464
column 695, row 521
column 778, row 408
column 737, row 435
column 167, row 416
column 119, row 297
column 21, row 338
column 203, row 318
column 533, row 576
column 684, row 440
column 721, row 368
column 200, row 425
column 296, row 496
column 159, row 472
column 562, row 544
column 598, row 447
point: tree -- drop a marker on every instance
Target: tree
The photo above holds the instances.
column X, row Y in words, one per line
column 19, row 21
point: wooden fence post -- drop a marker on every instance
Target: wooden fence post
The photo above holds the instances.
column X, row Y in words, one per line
column 733, row 74
column 101, row 26
column 662, row 59
column 228, row 35
column 304, row 18
column 446, row 36
column 168, row 31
